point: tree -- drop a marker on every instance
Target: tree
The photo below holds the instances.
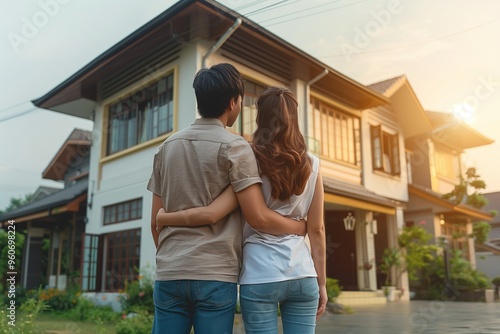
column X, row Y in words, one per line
column 17, row 202
column 476, row 199
column 461, row 191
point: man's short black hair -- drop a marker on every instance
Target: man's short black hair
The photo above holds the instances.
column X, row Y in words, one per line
column 215, row 87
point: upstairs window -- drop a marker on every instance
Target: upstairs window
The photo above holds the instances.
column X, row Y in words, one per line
column 337, row 134
column 385, row 151
column 245, row 125
column 447, row 163
column 145, row 115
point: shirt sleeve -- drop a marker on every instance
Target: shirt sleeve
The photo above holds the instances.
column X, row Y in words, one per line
column 154, row 184
column 243, row 171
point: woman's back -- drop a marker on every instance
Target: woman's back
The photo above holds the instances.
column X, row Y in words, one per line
column 269, row 258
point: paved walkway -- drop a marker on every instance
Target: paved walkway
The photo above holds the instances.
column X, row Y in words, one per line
column 415, row 317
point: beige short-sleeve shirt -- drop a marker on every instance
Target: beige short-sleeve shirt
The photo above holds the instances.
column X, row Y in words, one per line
column 191, row 168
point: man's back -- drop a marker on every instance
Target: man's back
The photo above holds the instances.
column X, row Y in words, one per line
column 191, row 169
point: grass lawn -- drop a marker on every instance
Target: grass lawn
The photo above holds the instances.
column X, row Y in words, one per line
column 47, row 323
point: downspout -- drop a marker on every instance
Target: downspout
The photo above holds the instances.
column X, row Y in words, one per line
column 306, row 100
column 221, row 41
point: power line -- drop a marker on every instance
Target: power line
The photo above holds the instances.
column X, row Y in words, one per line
column 417, row 43
column 14, row 106
column 18, row 115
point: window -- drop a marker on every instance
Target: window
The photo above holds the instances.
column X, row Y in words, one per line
column 91, row 263
column 123, row 250
column 385, row 151
column 245, row 123
column 122, row 212
column 338, row 134
column 447, row 163
column 145, row 115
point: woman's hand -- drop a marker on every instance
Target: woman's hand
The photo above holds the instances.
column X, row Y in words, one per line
column 323, row 300
column 160, row 212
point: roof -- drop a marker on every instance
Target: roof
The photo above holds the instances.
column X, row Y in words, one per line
column 163, row 37
column 405, row 105
column 384, row 86
column 446, row 205
column 49, row 202
column 358, row 192
column 76, row 146
column 450, row 130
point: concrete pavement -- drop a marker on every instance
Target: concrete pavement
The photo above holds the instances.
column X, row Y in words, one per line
column 415, row 317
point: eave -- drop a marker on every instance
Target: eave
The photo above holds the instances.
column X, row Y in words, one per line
column 448, row 207
column 170, row 30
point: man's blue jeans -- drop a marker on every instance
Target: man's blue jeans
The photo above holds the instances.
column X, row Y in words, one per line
column 297, row 299
column 209, row 306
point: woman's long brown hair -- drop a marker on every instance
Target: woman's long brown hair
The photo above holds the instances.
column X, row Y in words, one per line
column 279, row 146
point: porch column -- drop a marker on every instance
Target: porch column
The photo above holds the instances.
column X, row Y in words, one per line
column 370, row 227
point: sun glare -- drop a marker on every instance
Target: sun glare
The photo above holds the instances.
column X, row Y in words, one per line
column 464, row 112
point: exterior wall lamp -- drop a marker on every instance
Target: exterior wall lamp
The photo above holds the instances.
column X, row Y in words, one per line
column 349, row 222
column 441, row 220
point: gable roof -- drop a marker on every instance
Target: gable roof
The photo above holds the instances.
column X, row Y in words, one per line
column 405, row 104
column 74, row 148
column 450, row 130
column 160, row 40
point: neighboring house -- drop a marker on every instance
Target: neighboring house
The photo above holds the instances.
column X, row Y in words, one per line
column 434, row 142
column 140, row 91
column 488, row 254
column 57, row 214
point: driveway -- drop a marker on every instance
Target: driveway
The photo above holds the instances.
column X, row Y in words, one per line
column 414, row 317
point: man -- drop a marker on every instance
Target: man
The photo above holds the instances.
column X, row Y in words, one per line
column 198, row 267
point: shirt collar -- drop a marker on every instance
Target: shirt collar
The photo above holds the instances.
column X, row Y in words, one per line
column 208, row 121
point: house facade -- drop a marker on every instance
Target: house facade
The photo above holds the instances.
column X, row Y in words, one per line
column 57, row 215
column 434, row 143
column 139, row 92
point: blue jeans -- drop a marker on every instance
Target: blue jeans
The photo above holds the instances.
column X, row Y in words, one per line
column 297, row 299
column 209, row 306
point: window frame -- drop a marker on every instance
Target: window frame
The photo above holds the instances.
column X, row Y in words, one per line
column 111, row 213
column 144, row 125
column 129, row 265
column 385, row 151
column 338, row 133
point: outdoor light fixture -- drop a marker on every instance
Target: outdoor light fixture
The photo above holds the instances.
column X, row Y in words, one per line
column 441, row 220
column 349, row 222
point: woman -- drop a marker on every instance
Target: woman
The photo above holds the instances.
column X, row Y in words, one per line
column 277, row 270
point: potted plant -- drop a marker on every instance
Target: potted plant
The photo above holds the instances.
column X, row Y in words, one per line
column 391, row 259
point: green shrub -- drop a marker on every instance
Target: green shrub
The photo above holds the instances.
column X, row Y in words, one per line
column 496, row 281
column 138, row 296
column 86, row 310
column 332, row 289
column 140, row 323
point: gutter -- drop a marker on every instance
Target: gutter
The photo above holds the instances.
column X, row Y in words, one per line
column 306, row 99
column 221, row 41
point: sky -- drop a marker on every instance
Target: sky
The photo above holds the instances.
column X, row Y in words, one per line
column 449, row 50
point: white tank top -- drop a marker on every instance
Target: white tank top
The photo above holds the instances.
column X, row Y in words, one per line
column 268, row 258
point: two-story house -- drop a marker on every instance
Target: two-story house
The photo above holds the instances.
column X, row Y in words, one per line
column 435, row 142
column 58, row 215
column 139, row 92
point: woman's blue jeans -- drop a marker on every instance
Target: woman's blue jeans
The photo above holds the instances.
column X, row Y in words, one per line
column 209, row 306
column 297, row 300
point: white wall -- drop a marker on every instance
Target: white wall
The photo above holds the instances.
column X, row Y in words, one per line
column 488, row 263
